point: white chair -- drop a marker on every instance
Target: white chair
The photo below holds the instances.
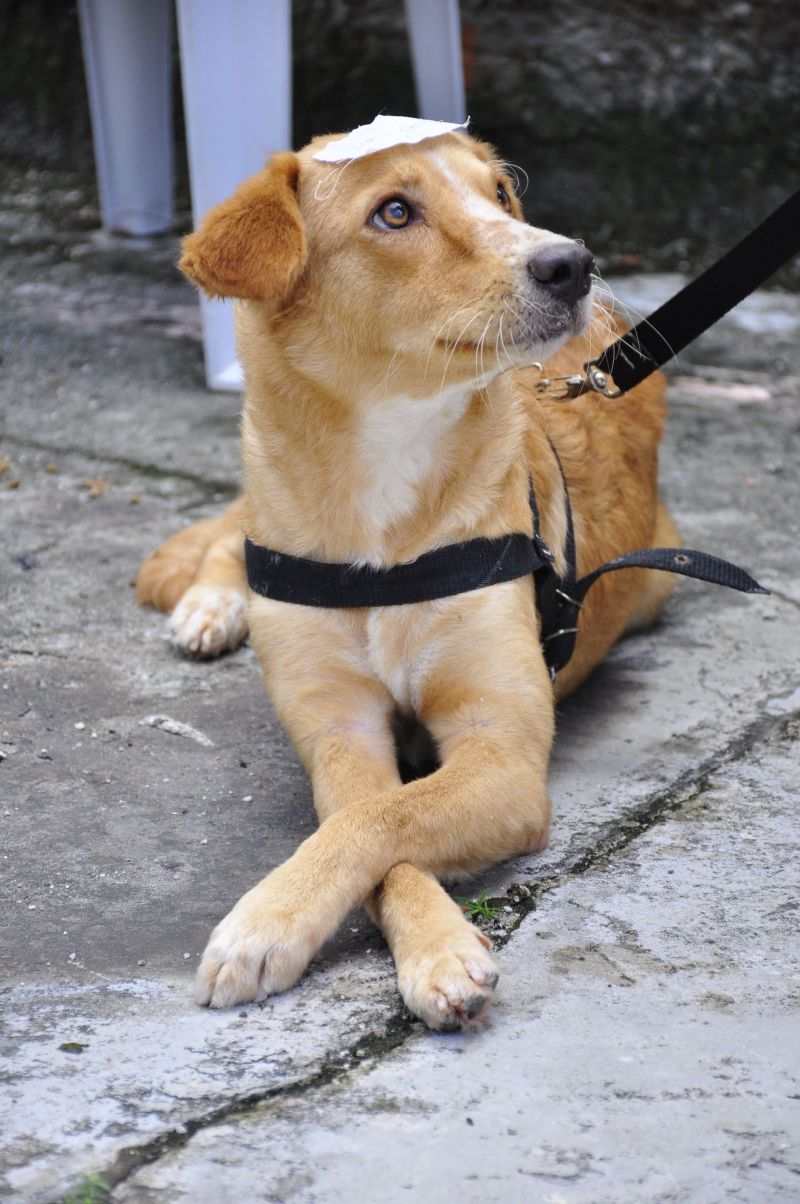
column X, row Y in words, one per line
column 236, row 71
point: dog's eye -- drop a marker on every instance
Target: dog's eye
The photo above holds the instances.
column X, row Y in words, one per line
column 503, row 197
column 393, row 214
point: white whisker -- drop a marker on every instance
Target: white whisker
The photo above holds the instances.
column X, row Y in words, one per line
column 515, row 171
column 444, row 326
column 455, row 345
column 631, row 314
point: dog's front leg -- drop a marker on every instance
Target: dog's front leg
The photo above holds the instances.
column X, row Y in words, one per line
column 487, row 801
column 445, row 971
column 445, row 974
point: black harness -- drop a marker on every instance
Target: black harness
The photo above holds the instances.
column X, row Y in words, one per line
column 477, row 563
column 474, row 564
column 560, row 599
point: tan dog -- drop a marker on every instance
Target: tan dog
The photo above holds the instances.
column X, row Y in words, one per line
column 390, row 314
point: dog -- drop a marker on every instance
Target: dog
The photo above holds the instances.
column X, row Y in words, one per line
column 393, row 313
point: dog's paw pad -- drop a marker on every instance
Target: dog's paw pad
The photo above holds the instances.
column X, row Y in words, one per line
column 452, row 988
column 208, row 620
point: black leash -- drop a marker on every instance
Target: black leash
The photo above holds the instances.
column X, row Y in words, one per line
column 679, row 321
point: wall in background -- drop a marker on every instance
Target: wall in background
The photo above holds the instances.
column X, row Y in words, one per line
column 650, row 130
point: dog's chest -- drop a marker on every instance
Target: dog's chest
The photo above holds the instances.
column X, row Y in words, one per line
column 399, row 446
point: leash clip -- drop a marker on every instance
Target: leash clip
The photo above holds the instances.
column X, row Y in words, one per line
column 560, row 388
column 593, row 380
column 599, row 381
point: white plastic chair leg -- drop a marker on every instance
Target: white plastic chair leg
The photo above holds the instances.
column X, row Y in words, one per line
column 434, row 30
column 236, row 67
column 127, row 57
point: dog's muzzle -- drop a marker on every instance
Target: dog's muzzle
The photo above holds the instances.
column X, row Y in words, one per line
column 564, row 270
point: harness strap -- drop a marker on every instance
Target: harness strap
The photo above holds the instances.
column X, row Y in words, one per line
column 560, row 599
column 474, row 564
column 554, row 591
column 558, row 644
column 455, row 569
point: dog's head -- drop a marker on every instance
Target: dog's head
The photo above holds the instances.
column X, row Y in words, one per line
column 419, row 252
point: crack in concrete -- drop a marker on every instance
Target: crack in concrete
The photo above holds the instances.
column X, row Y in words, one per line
column 615, row 838
column 38, row 653
column 208, row 485
column 401, row 1027
column 131, row 1159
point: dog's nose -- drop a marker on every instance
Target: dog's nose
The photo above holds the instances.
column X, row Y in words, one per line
column 564, row 269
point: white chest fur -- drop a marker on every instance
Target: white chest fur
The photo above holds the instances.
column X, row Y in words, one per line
column 399, row 445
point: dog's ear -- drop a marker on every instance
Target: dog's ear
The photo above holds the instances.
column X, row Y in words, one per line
column 253, row 245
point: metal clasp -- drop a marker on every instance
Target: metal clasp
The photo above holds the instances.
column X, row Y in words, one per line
column 560, row 388
column 600, row 381
column 593, row 380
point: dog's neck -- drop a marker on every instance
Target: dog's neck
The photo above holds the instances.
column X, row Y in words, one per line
column 366, row 470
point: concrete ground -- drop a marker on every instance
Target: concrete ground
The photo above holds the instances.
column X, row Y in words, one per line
column 646, row 1043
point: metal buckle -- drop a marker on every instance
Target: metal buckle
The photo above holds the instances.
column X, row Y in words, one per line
column 593, row 380
column 561, row 631
column 542, row 548
column 572, row 601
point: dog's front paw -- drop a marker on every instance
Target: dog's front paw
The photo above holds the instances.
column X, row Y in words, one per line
column 209, row 620
column 260, row 948
column 450, row 985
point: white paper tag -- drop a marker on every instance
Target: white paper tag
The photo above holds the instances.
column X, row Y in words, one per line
column 382, row 133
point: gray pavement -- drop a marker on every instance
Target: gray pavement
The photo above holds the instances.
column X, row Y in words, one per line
column 646, row 1042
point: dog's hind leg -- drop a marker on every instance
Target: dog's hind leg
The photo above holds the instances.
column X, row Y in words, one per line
column 211, row 617
column 627, row 601
column 167, row 573
column 199, row 575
